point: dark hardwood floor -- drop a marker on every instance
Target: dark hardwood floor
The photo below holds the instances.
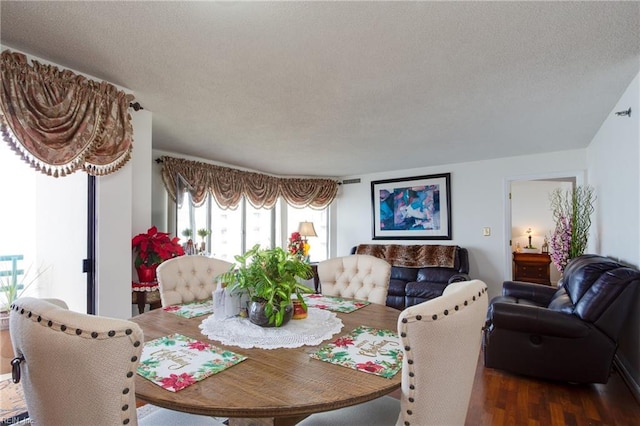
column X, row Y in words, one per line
column 500, row 398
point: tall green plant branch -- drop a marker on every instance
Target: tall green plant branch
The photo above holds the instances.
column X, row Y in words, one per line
column 573, row 208
column 582, row 201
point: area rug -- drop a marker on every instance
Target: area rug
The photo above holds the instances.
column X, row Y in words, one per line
column 148, row 409
column 12, row 403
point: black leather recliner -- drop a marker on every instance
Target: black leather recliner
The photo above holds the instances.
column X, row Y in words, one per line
column 568, row 333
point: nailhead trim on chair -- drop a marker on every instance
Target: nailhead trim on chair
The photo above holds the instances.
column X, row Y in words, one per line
column 93, row 335
column 403, row 335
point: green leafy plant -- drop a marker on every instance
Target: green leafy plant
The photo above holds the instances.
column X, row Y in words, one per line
column 187, row 233
column 270, row 276
column 14, row 285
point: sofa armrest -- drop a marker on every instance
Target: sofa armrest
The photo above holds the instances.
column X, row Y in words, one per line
column 535, row 320
column 538, row 293
column 456, row 278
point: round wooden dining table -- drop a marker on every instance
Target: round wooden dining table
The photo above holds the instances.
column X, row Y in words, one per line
column 272, row 386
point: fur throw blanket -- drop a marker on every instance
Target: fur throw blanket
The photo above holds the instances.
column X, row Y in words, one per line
column 412, row 256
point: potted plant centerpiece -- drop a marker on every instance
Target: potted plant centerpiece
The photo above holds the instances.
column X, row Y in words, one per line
column 270, row 276
column 152, row 248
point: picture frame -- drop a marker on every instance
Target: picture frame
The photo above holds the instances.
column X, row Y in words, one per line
column 412, row 208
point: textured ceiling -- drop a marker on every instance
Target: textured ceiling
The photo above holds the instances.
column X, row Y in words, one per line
column 346, row 88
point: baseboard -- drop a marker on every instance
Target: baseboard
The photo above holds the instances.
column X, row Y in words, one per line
column 633, row 386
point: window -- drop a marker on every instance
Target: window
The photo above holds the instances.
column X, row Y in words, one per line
column 235, row 231
column 226, row 231
column 31, row 228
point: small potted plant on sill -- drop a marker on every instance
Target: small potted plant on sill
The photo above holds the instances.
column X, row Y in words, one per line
column 270, row 277
column 152, row 248
column 188, row 246
column 203, row 233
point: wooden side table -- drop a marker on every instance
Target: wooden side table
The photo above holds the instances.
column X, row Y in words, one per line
column 143, row 293
column 532, row 267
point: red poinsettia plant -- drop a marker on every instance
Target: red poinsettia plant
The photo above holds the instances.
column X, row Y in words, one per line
column 153, row 247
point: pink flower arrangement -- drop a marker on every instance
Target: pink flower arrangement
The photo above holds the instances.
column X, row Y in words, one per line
column 572, row 212
column 561, row 243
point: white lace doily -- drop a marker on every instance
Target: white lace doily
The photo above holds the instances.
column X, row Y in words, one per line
column 318, row 326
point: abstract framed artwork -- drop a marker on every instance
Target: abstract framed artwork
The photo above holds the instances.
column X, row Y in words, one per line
column 414, row 208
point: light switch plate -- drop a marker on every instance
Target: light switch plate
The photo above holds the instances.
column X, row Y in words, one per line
column 486, row 231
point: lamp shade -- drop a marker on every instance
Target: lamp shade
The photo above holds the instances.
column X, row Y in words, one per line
column 306, row 229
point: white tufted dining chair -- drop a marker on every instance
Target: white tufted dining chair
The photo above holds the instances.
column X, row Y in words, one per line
column 358, row 276
column 441, row 339
column 186, row 279
column 79, row 369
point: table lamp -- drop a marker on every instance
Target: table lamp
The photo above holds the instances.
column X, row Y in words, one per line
column 529, row 232
column 306, row 229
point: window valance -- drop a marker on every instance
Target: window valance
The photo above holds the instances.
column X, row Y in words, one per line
column 227, row 186
column 59, row 121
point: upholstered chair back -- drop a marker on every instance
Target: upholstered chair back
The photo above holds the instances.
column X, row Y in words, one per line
column 441, row 341
column 441, row 338
column 78, row 369
column 358, row 276
column 186, row 279
column 598, row 290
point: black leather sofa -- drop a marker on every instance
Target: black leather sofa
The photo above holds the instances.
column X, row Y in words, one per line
column 410, row 286
column 568, row 333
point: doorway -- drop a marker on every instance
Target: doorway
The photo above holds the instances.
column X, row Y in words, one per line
column 528, row 212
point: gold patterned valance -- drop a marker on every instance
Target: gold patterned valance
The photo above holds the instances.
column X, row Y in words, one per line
column 227, row 186
column 60, row 122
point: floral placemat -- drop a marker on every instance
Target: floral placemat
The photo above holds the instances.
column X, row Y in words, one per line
column 333, row 303
column 191, row 310
column 176, row 361
column 365, row 349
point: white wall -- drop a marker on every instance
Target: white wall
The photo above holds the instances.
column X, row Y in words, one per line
column 142, row 164
column 123, row 210
column 477, row 200
column 613, row 158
